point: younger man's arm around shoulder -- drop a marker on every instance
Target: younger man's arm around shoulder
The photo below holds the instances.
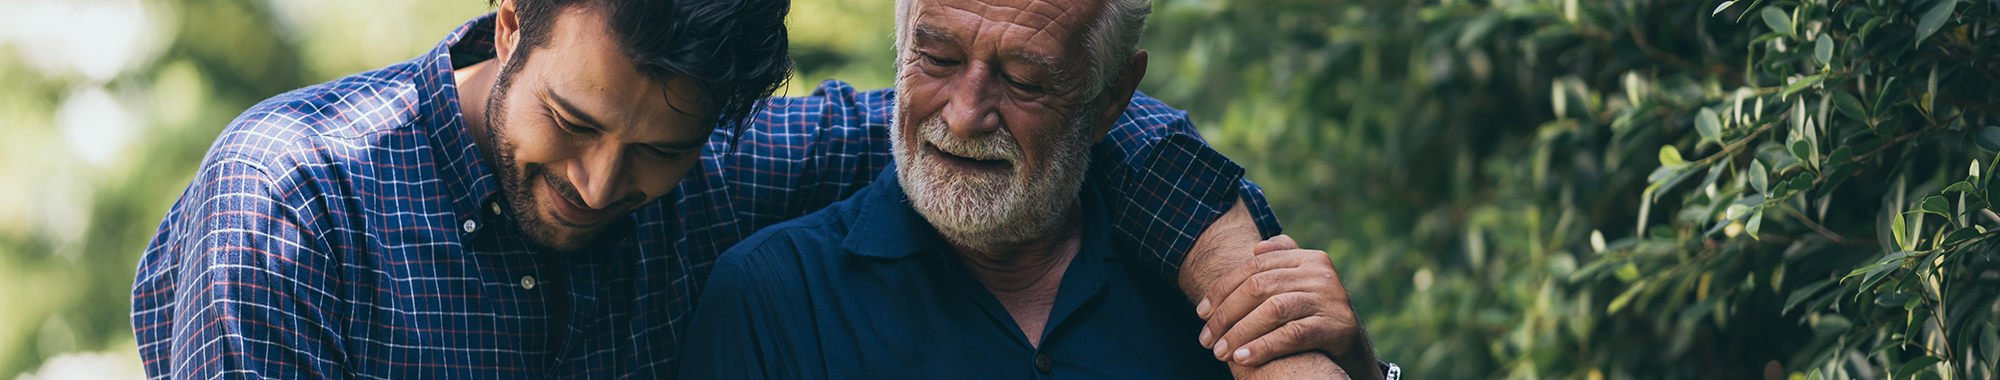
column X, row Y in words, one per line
column 1201, row 219
column 234, row 285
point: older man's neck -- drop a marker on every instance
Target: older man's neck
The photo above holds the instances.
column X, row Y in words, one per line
column 1025, row 277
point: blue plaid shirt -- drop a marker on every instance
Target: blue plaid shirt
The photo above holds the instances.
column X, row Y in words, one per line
column 352, row 230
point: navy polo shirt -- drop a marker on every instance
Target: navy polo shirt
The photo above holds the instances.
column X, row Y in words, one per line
column 866, row 288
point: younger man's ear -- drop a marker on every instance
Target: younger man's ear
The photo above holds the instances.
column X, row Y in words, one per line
column 1119, row 95
column 506, row 30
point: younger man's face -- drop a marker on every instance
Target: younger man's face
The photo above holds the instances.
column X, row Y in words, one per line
column 581, row 138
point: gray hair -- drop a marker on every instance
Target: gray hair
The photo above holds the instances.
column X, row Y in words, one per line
column 1110, row 39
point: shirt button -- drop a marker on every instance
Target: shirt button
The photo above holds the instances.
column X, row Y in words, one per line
column 528, row 282
column 471, row 225
column 496, row 208
column 1043, row 364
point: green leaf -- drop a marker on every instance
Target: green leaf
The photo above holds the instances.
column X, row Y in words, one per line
column 1628, row 272
column 1911, row 367
column 1841, row 155
column 1936, row 205
column 1870, row 27
column 1902, row 233
column 1856, row 14
column 1802, row 150
column 1915, row 323
column 1803, row 293
column 1719, row 8
column 1892, row 299
column 1801, row 182
column 1709, row 124
column 1829, row 324
column 1872, row 268
column 1766, row 37
column 1823, row 50
column 1988, row 139
column 1758, row 179
column 1875, row 276
column 1756, row 220
column 1882, row 93
column 1993, row 193
column 1624, row 298
column 1934, row 19
column 1670, row 156
column 1849, row 105
column 1778, row 20
column 1803, row 84
column 1961, row 234
column 1839, row 176
column 1961, row 186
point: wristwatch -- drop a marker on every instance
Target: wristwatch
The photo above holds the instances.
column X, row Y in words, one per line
column 1389, row 370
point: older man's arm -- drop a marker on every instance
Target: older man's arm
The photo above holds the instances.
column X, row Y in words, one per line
column 1269, row 299
column 1304, row 365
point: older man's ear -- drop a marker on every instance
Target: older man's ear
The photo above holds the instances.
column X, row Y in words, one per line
column 1119, row 95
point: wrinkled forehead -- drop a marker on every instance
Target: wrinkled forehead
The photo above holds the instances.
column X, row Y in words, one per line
column 1041, row 27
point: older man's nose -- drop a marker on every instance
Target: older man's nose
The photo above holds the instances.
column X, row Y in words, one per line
column 971, row 98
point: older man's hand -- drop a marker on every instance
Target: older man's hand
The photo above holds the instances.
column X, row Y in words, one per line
column 1287, row 300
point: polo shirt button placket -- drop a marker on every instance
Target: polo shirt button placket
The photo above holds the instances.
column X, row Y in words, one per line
column 1043, row 364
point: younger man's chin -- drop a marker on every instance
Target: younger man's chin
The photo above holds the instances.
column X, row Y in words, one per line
column 580, row 241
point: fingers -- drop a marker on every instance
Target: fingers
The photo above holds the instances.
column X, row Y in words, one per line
column 1220, row 290
column 1276, row 243
column 1238, row 292
column 1292, row 301
column 1295, row 337
column 1228, row 282
column 1268, row 316
column 1275, row 298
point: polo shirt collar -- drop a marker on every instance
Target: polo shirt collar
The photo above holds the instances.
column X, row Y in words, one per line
column 886, row 225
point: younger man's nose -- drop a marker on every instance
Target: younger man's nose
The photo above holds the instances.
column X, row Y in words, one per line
column 599, row 177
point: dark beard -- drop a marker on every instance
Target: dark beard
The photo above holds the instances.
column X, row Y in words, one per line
column 514, row 179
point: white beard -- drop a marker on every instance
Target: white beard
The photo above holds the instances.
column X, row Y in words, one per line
column 985, row 211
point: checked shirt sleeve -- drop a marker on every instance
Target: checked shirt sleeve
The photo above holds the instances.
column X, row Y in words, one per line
column 1165, row 185
column 235, row 285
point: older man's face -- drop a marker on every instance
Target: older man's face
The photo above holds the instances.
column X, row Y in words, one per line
column 992, row 133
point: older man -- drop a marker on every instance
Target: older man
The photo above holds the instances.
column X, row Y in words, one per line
column 986, row 250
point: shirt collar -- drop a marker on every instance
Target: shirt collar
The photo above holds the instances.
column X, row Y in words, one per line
column 460, row 164
column 887, row 226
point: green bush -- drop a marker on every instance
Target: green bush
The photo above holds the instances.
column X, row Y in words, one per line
column 1627, row 189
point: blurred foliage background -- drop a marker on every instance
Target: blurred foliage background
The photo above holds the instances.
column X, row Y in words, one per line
column 1519, row 189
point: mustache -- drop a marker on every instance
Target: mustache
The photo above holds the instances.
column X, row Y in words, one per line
column 998, row 145
column 564, row 189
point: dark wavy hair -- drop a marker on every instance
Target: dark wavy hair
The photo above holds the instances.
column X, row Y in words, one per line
column 734, row 50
